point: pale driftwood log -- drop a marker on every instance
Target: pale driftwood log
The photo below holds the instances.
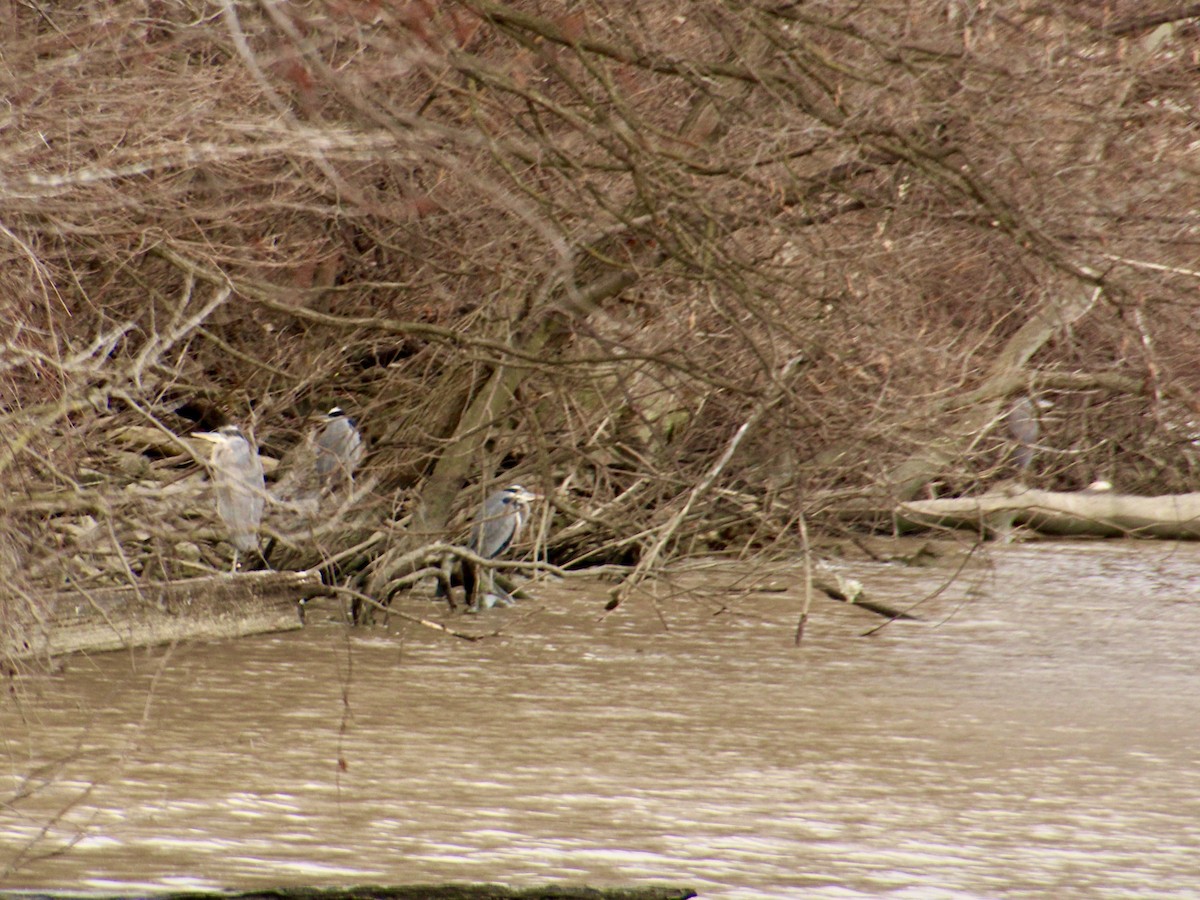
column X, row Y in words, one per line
column 1077, row 514
column 114, row 618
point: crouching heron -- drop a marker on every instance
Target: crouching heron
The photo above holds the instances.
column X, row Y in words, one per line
column 237, row 476
column 498, row 524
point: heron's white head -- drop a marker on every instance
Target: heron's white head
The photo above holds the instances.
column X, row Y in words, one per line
column 337, row 414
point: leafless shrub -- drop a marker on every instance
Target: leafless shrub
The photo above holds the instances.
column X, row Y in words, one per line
column 581, row 247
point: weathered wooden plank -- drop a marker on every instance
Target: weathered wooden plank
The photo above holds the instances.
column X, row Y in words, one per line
column 114, row 618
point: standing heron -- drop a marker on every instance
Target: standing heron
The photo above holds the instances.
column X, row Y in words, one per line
column 498, row 524
column 1022, row 423
column 339, row 449
column 237, row 475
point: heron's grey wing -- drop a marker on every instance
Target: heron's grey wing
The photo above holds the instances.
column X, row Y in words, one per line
column 339, row 451
column 241, row 492
column 256, row 486
column 1023, row 456
column 327, row 449
column 356, row 449
column 1022, row 421
column 494, row 528
column 497, row 535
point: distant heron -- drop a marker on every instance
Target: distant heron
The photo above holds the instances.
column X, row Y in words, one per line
column 498, row 524
column 1022, row 423
column 237, row 475
column 339, row 449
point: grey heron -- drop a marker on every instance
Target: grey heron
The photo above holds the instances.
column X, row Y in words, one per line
column 321, row 463
column 237, row 476
column 339, row 449
column 1021, row 420
column 498, row 524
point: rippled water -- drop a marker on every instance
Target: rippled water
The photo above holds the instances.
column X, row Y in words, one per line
column 1035, row 736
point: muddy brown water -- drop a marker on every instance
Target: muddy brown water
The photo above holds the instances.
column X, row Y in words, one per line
column 1037, row 736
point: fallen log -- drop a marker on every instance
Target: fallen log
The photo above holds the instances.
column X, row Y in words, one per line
column 1086, row 513
column 114, row 618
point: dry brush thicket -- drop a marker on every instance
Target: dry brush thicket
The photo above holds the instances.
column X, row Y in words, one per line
column 582, row 246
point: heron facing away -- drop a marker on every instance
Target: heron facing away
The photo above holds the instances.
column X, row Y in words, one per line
column 237, row 476
column 1022, row 423
column 498, row 524
column 339, row 449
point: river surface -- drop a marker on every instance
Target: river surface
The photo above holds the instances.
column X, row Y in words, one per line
column 1036, row 735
